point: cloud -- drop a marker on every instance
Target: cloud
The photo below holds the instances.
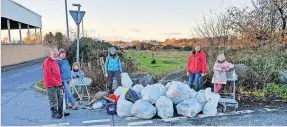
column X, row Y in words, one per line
column 172, row 33
column 134, row 30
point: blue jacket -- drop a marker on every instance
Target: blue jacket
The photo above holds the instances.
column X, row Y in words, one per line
column 79, row 74
column 65, row 69
column 113, row 64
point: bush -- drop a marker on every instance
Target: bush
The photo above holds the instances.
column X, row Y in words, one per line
column 92, row 58
column 41, row 84
column 263, row 62
column 277, row 90
column 187, row 48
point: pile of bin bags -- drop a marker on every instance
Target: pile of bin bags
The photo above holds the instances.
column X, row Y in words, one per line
column 146, row 102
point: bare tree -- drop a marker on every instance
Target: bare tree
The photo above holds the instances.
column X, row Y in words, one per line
column 215, row 30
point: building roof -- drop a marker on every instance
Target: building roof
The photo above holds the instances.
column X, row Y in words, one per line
column 17, row 13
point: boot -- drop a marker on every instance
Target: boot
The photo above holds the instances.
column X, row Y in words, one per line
column 55, row 113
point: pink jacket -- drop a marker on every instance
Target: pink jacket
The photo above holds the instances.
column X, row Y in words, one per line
column 219, row 70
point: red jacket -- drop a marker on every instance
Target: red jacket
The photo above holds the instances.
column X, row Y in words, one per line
column 51, row 70
column 196, row 63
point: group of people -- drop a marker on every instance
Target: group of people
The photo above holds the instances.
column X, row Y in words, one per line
column 58, row 75
column 58, row 78
column 196, row 67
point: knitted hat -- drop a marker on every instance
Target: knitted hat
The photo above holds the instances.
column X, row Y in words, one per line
column 112, row 49
column 62, row 51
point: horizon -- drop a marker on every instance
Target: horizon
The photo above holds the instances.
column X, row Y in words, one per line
column 127, row 20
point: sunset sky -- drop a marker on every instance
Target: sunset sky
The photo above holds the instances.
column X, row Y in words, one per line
column 128, row 19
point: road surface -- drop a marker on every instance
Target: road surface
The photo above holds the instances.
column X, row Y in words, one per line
column 22, row 105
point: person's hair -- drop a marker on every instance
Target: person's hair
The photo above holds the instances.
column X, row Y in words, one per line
column 221, row 57
column 76, row 63
column 197, row 44
column 52, row 50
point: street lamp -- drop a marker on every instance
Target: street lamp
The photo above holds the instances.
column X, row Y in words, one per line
column 78, row 33
column 67, row 23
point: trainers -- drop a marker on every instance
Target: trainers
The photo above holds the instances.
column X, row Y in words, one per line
column 57, row 116
column 67, row 114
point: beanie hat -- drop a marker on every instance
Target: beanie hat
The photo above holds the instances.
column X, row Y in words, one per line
column 112, row 49
column 61, row 51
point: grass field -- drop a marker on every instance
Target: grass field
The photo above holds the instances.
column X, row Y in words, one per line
column 166, row 61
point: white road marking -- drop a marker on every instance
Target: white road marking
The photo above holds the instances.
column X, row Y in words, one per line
column 203, row 116
column 16, row 75
column 243, row 111
column 268, row 109
column 227, row 114
column 139, row 123
column 173, row 119
column 99, row 125
column 131, row 118
column 34, row 69
column 59, row 124
column 96, row 121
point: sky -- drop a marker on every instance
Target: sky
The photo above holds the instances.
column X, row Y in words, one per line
column 129, row 19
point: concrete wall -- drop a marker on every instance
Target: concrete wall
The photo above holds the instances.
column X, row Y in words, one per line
column 15, row 54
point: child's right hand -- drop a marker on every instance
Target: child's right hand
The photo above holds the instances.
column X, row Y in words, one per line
column 106, row 75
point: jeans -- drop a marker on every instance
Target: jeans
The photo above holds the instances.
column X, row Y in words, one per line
column 55, row 100
column 196, row 78
column 68, row 95
column 111, row 75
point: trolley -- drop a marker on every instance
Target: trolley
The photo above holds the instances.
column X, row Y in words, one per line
column 228, row 99
column 82, row 82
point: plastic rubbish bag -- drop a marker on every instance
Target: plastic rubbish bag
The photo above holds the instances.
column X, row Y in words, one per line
column 138, row 89
column 126, row 80
column 168, row 85
column 178, row 92
column 118, row 91
column 121, row 91
column 200, row 97
column 151, row 93
column 192, row 94
column 189, row 108
column 99, row 103
column 124, row 107
column 143, row 109
column 210, row 107
column 164, row 107
column 161, row 88
column 132, row 96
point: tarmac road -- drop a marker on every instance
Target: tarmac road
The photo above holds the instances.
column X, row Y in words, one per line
column 22, row 105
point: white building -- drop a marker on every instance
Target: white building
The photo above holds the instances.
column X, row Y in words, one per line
column 16, row 16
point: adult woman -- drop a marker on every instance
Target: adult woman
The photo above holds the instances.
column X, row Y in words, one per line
column 196, row 66
column 113, row 68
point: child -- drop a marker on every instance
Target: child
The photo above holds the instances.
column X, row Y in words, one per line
column 77, row 73
column 220, row 68
column 113, row 68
